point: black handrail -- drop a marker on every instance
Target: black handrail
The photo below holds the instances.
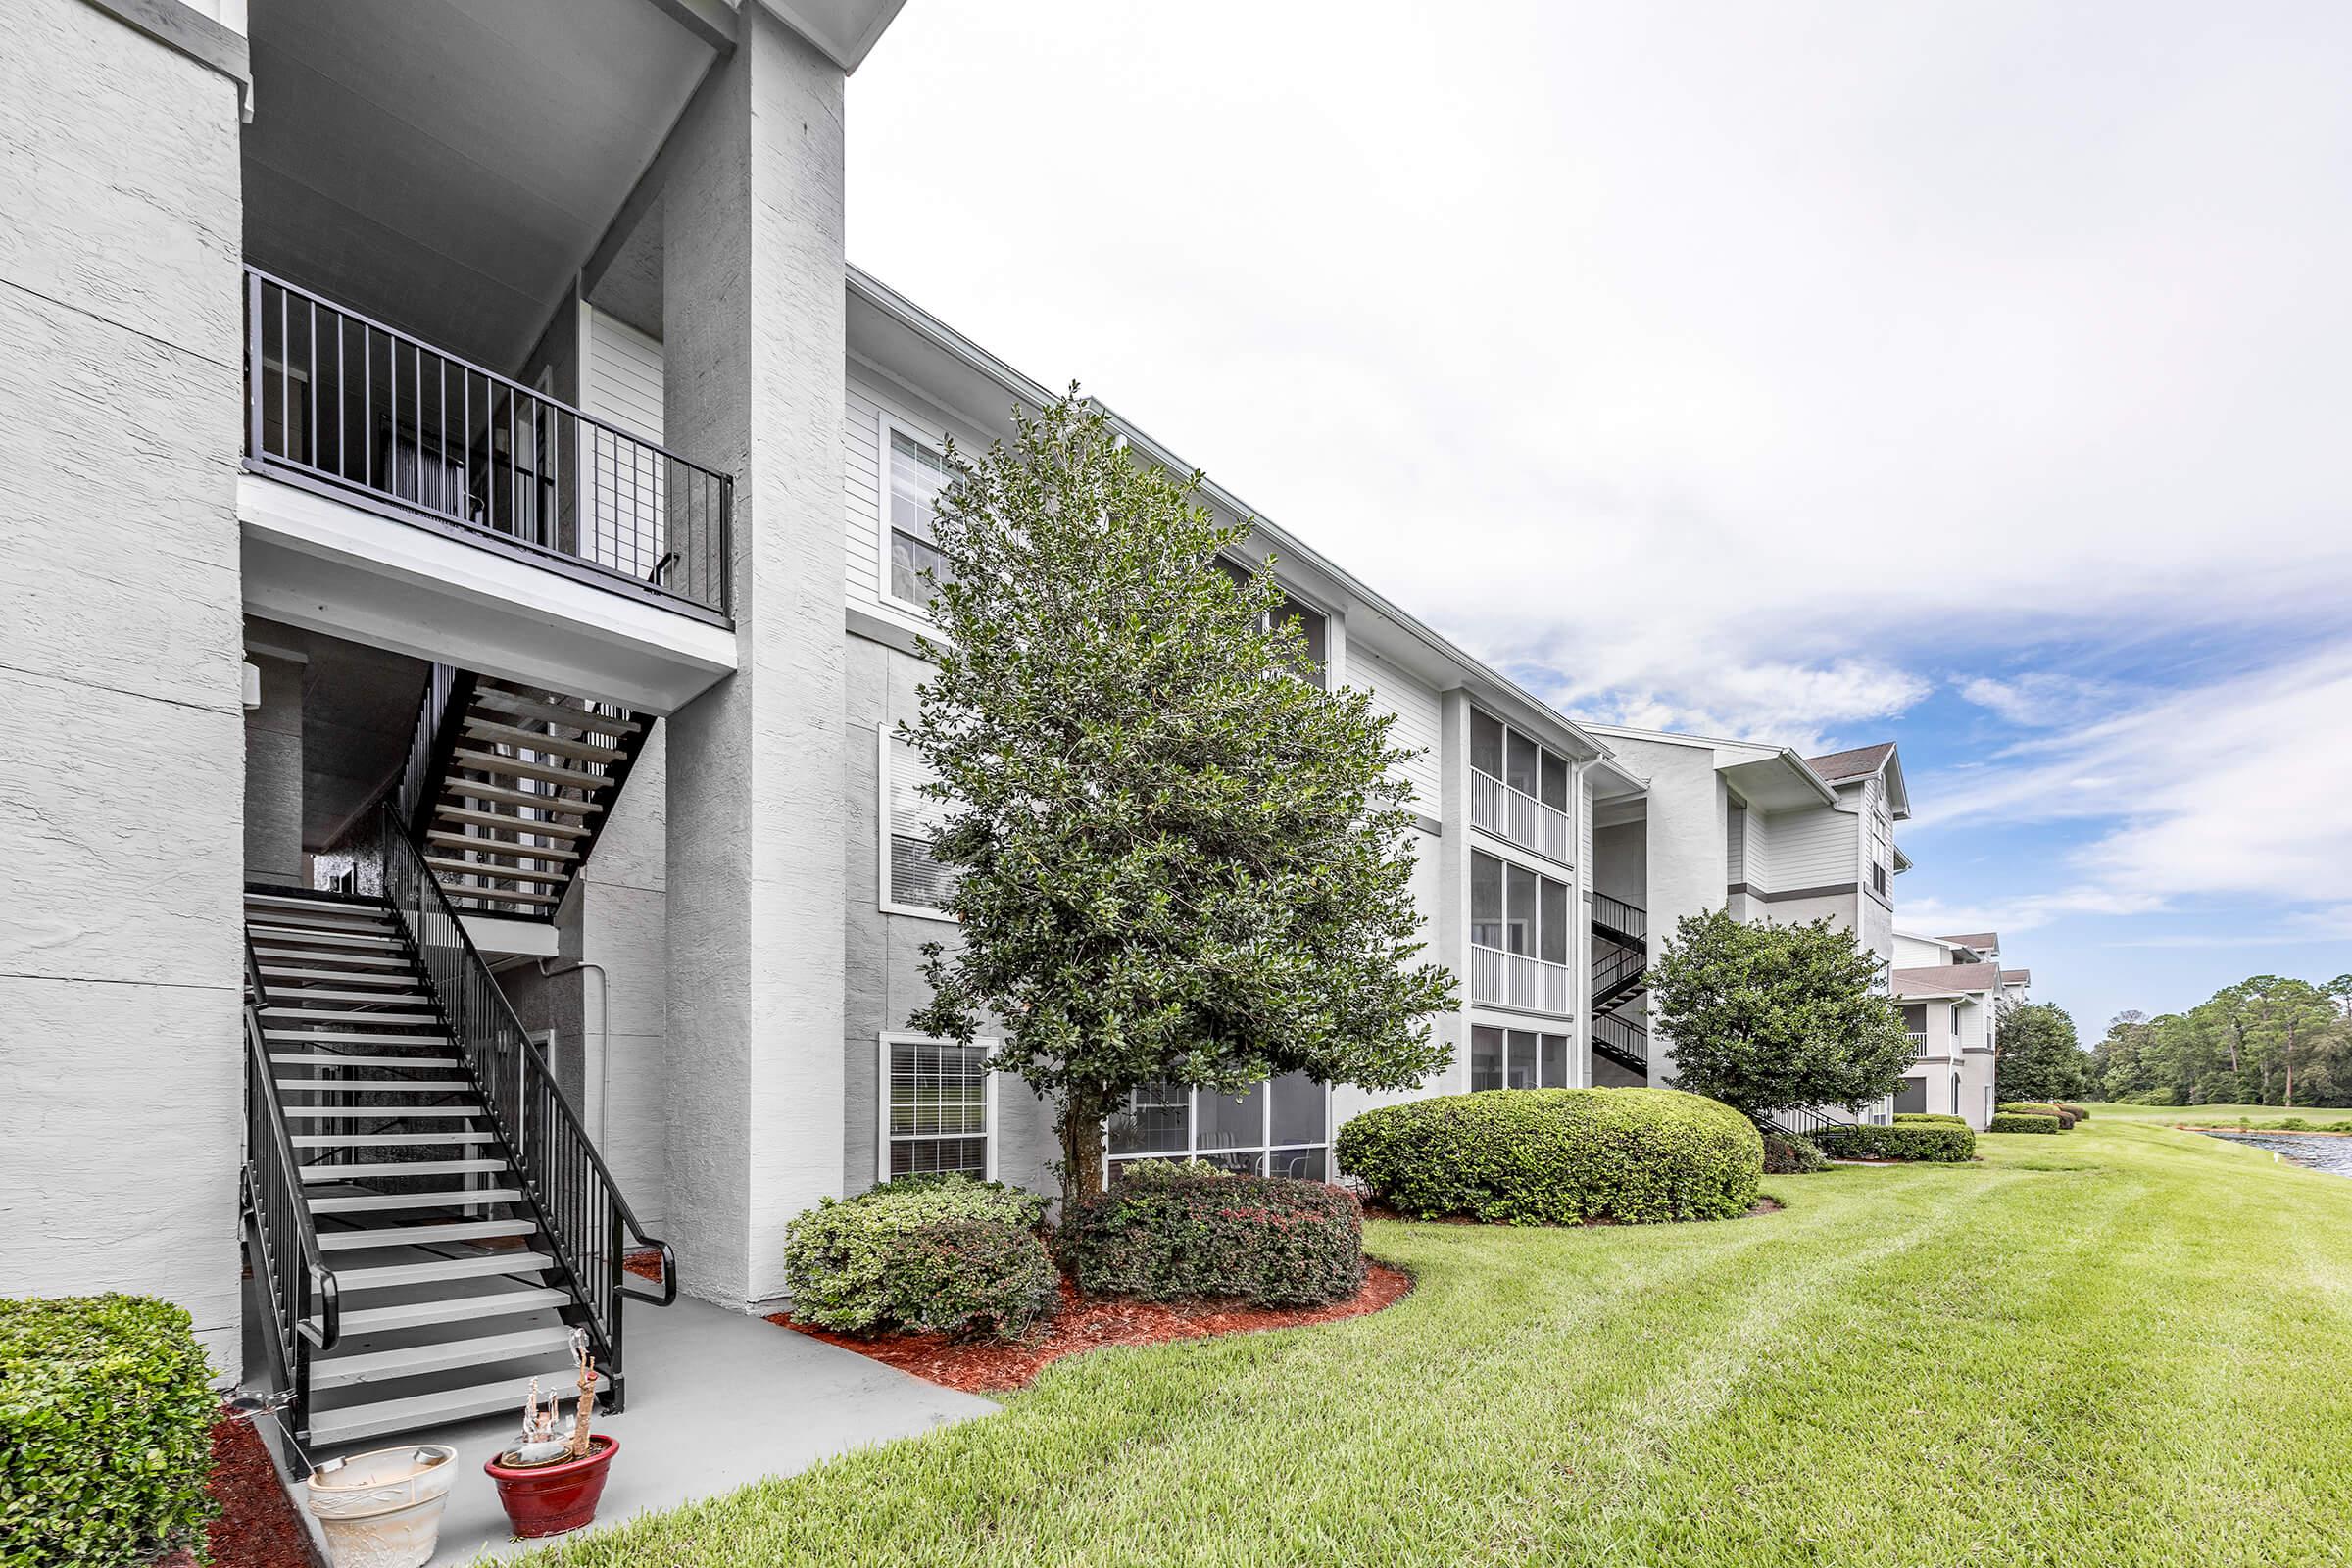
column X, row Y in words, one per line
column 447, row 689
column 339, row 400
column 1620, row 919
column 1617, row 972
column 1622, row 1043
column 589, row 1226
column 305, row 1302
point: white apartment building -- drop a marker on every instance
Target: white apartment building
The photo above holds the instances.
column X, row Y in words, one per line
column 1951, row 991
column 465, row 601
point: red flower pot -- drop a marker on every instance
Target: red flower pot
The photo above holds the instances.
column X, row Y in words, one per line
column 546, row 1500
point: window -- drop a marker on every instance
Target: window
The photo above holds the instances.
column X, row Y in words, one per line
column 1278, row 1128
column 935, row 1106
column 1955, row 1022
column 1521, row 926
column 917, row 474
column 913, row 882
column 1517, row 1059
column 1314, row 627
column 1519, row 788
column 1882, row 850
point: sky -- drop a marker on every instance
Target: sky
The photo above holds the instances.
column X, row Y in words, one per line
column 1974, row 376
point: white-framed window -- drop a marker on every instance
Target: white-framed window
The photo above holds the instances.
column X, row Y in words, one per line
column 913, row 881
column 1955, row 1023
column 1882, row 850
column 1517, row 1059
column 914, row 470
column 1281, row 1127
column 938, row 1107
column 1314, row 625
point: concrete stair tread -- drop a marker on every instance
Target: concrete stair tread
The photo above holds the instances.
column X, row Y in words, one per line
column 388, row 1140
column 384, row 1276
column 401, row 1167
column 453, row 1309
column 351, row 1112
column 472, row 1230
column 347, row 1037
column 308, row 936
column 304, row 1015
column 391, row 1085
column 330, row 1058
column 375, row 1366
column 398, row 976
column 424, row 1409
column 390, row 1203
column 283, row 1001
column 497, row 702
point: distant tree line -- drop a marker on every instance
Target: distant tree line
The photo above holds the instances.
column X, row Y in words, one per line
column 2267, row 1040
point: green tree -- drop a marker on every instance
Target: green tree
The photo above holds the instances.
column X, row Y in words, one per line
column 2037, row 1054
column 1775, row 1017
column 1176, row 861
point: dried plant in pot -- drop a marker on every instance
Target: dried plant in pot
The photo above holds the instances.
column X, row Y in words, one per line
column 552, row 1479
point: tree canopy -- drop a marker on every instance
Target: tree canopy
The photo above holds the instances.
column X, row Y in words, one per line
column 1776, row 1018
column 1177, row 858
column 2037, row 1055
column 2269, row 1039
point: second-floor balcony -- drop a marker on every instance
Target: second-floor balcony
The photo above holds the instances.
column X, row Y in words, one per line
column 413, row 499
column 336, row 397
column 1919, row 1045
column 1514, row 814
column 1518, row 980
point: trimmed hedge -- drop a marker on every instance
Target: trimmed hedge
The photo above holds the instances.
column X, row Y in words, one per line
column 106, row 1432
column 1914, row 1118
column 1934, row 1143
column 934, row 1254
column 2075, row 1111
column 2035, row 1107
column 1168, row 1232
column 1557, row 1157
column 1791, row 1157
column 2008, row 1123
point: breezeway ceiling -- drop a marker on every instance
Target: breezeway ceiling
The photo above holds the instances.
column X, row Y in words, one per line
column 445, row 165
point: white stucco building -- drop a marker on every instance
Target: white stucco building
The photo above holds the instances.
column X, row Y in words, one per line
column 467, row 507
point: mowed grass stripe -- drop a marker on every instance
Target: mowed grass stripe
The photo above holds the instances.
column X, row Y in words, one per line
column 2114, row 1346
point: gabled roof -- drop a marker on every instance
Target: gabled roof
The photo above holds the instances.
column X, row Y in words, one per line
column 1841, row 767
column 2017, row 977
column 1975, row 939
column 1947, row 980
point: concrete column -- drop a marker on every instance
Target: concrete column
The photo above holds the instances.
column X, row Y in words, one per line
column 121, row 778
column 1451, row 944
column 753, row 327
column 273, row 771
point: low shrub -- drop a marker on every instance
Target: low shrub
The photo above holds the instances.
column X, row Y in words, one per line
column 1792, row 1156
column 1557, row 1157
column 2035, row 1107
column 2073, row 1111
column 1912, row 1118
column 942, row 1254
column 1169, row 1232
column 106, row 1432
column 1935, row 1143
column 2015, row 1122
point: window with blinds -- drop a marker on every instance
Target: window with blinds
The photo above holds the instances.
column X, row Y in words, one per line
column 937, row 1117
column 914, row 877
column 917, row 474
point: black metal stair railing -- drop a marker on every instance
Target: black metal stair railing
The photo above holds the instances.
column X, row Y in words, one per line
column 1617, row 973
column 589, row 1226
column 1626, row 1045
column 304, row 1308
column 440, row 719
column 1621, row 922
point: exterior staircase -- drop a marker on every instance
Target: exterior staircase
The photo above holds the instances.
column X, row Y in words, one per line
column 426, row 1249
column 1620, row 951
column 1625, row 1044
column 508, row 787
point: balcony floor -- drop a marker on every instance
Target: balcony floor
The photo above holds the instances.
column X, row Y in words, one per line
column 717, row 1401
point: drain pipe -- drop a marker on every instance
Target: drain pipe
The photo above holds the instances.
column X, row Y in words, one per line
column 603, row 1055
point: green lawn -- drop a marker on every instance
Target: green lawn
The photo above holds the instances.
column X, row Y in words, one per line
column 2115, row 1347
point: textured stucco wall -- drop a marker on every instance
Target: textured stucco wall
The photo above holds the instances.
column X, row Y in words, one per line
column 121, row 788
column 273, row 773
column 753, row 327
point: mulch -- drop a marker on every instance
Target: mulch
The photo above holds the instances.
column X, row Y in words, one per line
column 646, row 1266
column 257, row 1526
column 1094, row 1323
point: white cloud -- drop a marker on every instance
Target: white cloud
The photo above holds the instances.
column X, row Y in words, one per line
column 2040, row 699
column 2230, row 790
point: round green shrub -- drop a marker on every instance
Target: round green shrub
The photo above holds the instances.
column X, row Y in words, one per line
column 2012, row 1122
column 1934, row 1143
column 106, row 1432
column 1172, row 1231
column 1557, row 1157
column 1792, row 1156
column 932, row 1253
column 2075, row 1111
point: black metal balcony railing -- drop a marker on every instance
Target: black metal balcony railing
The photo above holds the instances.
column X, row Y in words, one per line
column 335, row 399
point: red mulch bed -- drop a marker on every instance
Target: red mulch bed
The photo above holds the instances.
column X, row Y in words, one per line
column 1093, row 1323
column 257, row 1527
column 646, row 1266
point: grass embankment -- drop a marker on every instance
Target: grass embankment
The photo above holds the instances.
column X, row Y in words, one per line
column 2261, row 1116
column 2093, row 1348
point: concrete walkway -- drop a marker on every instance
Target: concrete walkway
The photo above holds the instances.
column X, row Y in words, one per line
column 717, row 1401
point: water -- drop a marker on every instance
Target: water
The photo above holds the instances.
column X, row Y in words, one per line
column 2327, row 1151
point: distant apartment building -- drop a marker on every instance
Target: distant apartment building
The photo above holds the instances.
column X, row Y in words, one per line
column 1951, row 991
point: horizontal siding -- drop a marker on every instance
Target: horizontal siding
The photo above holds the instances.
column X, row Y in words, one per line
column 624, row 377
column 1808, row 849
column 1418, row 725
column 871, row 399
column 621, row 384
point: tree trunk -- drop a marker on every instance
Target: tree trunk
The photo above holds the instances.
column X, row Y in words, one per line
column 1081, row 1130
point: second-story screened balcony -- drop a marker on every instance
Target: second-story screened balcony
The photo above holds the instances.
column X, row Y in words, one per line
column 1520, row 938
column 1518, row 788
column 340, row 402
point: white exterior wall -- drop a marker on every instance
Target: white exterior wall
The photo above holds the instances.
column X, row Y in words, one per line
column 121, row 790
column 1418, row 726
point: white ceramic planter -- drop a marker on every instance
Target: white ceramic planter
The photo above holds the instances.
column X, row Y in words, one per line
column 382, row 1509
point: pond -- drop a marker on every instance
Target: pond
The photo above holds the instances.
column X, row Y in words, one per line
column 2327, row 1151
